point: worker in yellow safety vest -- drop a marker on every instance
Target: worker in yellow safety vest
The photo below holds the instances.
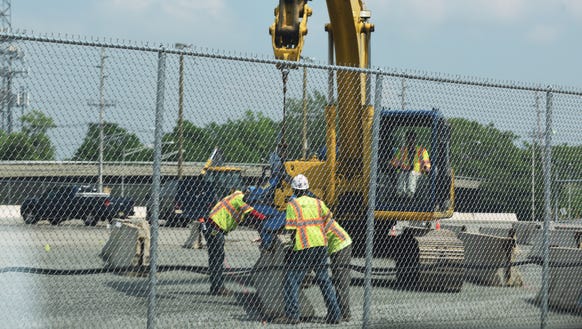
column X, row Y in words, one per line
column 340, row 253
column 411, row 161
column 308, row 219
column 224, row 217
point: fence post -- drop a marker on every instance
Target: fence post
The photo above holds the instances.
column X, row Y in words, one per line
column 548, row 208
column 372, row 201
column 155, row 195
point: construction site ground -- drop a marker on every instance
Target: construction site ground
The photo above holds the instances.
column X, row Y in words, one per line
column 54, row 298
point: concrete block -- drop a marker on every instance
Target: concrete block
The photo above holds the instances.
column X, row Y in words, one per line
column 565, row 279
column 502, row 232
column 557, row 238
column 429, row 260
column 128, row 246
column 268, row 278
column 507, row 218
column 488, row 260
column 525, row 231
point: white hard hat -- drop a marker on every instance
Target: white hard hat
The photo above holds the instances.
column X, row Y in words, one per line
column 300, row 182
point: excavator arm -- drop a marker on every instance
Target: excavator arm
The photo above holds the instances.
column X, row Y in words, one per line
column 349, row 112
column 289, row 29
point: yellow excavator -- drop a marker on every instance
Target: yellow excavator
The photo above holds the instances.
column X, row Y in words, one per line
column 428, row 258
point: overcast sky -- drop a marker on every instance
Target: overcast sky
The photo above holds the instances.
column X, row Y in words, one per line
column 520, row 40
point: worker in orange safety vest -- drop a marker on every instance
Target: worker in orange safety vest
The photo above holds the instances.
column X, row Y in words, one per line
column 308, row 219
column 224, row 217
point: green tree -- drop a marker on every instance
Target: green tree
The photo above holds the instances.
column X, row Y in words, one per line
column 197, row 146
column 32, row 143
column 316, row 128
column 249, row 139
column 36, row 123
column 117, row 141
column 16, row 146
column 567, row 168
column 487, row 153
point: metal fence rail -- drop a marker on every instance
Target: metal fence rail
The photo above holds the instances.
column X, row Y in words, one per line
column 99, row 111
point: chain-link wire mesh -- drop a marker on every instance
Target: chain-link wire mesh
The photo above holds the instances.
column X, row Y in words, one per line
column 116, row 137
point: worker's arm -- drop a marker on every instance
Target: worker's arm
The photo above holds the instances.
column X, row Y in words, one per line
column 425, row 162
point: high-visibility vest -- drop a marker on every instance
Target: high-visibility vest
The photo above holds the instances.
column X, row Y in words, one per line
column 337, row 238
column 421, row 160
column 230, row 211
column 309, row 217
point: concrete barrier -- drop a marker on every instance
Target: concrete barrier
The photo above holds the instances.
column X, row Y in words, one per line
column 267, row 278
column 525, row 231
column 565, row 285
column 488, row 260
column 557, row 238
column 473, row 221
column 481, row 218
column 128, row 246
column 502, row 232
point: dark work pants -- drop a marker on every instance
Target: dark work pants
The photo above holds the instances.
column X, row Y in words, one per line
column 215, row 244
column 299, row 264
column 341, row 277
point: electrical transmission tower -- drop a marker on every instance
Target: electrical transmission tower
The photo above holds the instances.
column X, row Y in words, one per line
column 9, row 55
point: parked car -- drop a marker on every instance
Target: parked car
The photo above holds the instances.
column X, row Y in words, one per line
column 75, row 202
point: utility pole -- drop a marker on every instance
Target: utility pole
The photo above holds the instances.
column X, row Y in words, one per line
column 181, row 46
column 101, row 116
column 403, row 93
column 305, row 142
column 22, row 101
column 570, row 192
column 102, row 104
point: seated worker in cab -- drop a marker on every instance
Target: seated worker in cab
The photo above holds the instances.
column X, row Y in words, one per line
column 411, row 161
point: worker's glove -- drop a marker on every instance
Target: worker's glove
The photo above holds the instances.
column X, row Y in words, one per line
column 258, row 215
column 203, row 226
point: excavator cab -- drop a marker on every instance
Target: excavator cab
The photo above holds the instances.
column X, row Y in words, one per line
column 414, row 172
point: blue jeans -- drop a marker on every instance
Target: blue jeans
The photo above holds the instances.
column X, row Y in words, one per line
column 299, row 264
column 215, row 244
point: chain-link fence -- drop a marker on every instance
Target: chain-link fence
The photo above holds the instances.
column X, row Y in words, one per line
column 115, row 137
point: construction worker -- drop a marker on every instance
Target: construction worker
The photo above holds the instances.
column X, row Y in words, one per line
column 411, row 161
column 340, row 253
column 224, row 217
column 308, row 219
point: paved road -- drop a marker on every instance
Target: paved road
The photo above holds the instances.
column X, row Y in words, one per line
column 54, row 300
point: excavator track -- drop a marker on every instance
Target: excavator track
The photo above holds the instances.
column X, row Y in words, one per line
column 430, row 260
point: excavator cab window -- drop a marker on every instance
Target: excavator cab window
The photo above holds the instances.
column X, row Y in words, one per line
column 413, row 164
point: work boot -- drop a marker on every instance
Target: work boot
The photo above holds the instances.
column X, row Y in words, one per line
column 332, row 320
column 346, row 317
column 285, row 320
